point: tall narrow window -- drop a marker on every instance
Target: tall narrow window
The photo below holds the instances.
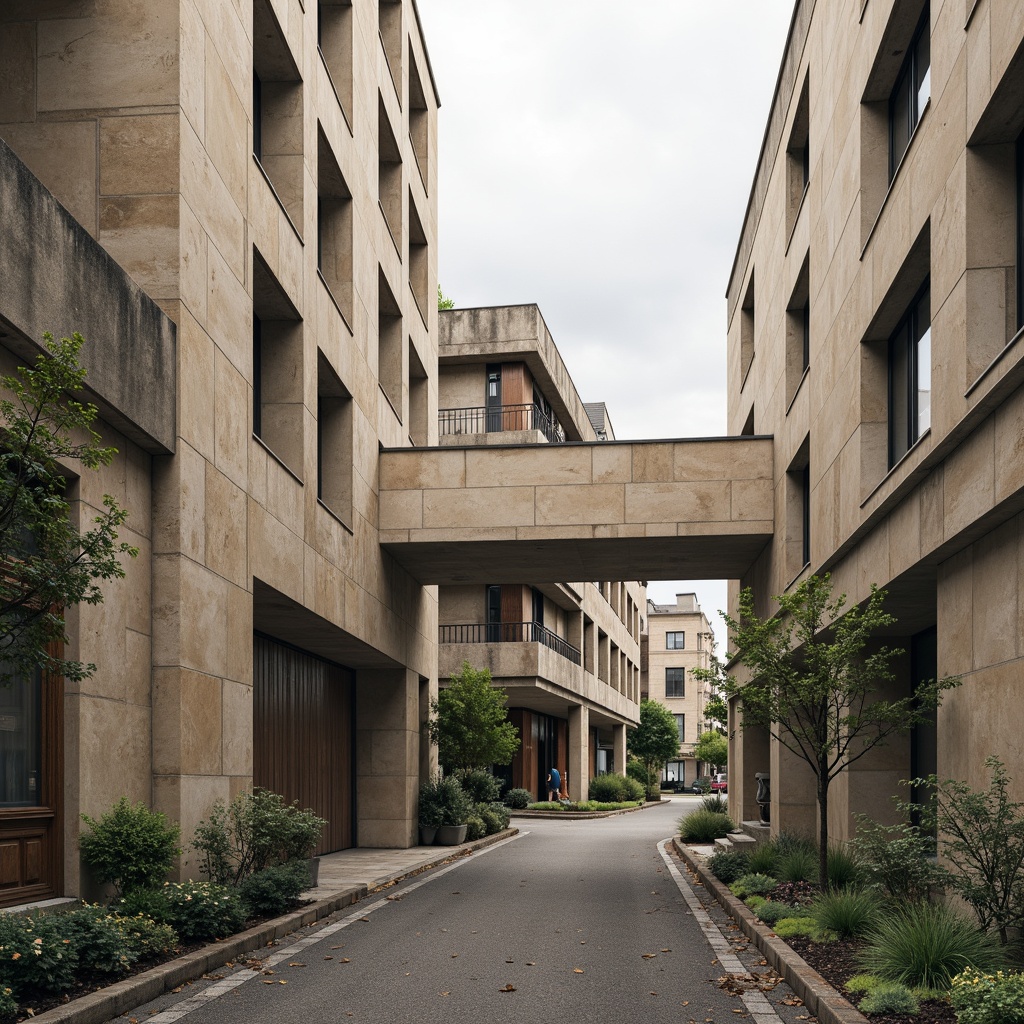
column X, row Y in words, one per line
column 418, row 119
column 798, row 331
column 334, row 40
column 389, row 174
column 675, row 682
column 389, row 24
column 1020, row 232
column 747, row 324
column 334, row 441
column 798, row 511
column 334, row 228
column 419, row 390
column 681, row 727
column 390, row 349
column 419, row 264
column 910, row 93
column 798, row 157
column 910, row 377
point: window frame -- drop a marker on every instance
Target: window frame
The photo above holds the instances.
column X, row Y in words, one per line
column 679, row 683
column 671, row 644
column 910, row 70
column 905, row 343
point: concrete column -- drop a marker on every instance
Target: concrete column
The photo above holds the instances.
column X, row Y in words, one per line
column 619, row 748
column 387, row 757
column 578, row 763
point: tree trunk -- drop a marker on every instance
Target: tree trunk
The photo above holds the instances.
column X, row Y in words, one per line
column 822, row 828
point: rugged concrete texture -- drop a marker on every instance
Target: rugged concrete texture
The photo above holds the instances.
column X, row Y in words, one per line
column 55, row 277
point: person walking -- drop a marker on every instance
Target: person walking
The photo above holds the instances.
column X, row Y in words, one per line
column 554, row 785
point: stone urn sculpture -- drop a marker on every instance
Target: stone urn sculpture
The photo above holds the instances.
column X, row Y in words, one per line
column 764, row 796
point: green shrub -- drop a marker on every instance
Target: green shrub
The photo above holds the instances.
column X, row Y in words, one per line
column 755, row 902
column 146, row 938
column 8, row 1004
column 715, row 803
column 861, row 983
column 927, row 944
column 253, row 832
column 93, row 932
column 547, row 805
column 635, row 792
column 889, row 998
column 897, row 860
column 37, row 960
column 847, row 912
column 704, row 826
column 797, row 866
column 771, row 912
column 275, row 889
column 728, row 865
column 763, row 859
column 481, row 786
column 988, row 998
column 636, row 769
column 518, row 799
column 802, row 927
column 197, row 911
column 475, row 827
column 753, row 884
column 787, row 842
column 495, row 816
column 844, row 868
column 130, row 846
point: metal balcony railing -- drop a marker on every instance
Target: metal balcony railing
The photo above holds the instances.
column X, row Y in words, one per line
column 484, row 420
column 508, row 632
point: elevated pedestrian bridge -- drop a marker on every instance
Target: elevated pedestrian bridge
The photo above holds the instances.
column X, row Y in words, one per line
column 613, row 510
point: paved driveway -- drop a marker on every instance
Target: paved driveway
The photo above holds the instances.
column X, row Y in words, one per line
column 569, row 921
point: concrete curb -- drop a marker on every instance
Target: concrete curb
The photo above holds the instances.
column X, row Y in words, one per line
column 818, row 995
column 579, row 815
column 102, row 1005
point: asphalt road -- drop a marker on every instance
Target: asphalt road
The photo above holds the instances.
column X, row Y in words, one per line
column 570, row 921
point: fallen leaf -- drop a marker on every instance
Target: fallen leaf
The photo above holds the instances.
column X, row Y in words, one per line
column 296, row 964
column 365, row 919
column 648, row 956
column 455, row 956
column 531, row 963
column 446, row 993
column 792, row 1002
column 510, row 961
column 328, row 957
column 666, row 951
column 654, row 993
column 344, row 960
column 507, row 988
column 268, row 983
column 282, row 982
column 342, row 946
column 577, row 970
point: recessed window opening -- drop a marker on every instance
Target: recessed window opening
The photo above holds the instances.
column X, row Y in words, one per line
column 334, row 440
column 798, row 331
column 389, row 344
column 675, row 682
column 419, row 390
column 910, row 93
column 389, row 23
column 747, row 325
column 334, row 39
column 334, row 227
column 910, row 377
column 798, row 156
column 418, row 119
column 675, row 641
column 798, row 511
column 389, row 173
column 1020, row 232
column 419, row 268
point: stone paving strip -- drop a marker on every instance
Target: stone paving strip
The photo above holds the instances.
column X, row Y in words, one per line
column 122, row 996
column 820, row 998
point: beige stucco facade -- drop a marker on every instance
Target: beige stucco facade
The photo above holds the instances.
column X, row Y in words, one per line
column 680, row 640
column 919, row 492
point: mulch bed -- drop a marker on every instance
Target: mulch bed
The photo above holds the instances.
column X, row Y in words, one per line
column 835, row 962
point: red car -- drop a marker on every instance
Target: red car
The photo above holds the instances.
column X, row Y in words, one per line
column 720, row 783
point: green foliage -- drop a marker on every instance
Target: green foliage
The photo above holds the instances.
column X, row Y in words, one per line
column 704, row 826
column 49, row 566
column 36, row 959
column 8, row 1004
column 755, row 902
column 470, row 724
column 847, row 912
column 988, row 998
column 255, row 831
column 636, row 769
column 444, row 802
column 475, row 827
column 712, row 748
column 802, row 926
column 771, row 912
column 656, row 739
column 861, row 983
column 728, row 865
column 753, row 883
column 716, row 710
column 517, row 799
column 101, row 945
column 443, row 302
column 197, row 911
column 275, row 889
column 891, row 998
column 896, row 859
column 844, row 867
column 763, row 859
column 982, row 839
column 146, row 938
column 495, row 815
column 927, row 944
column 612, row 788
column 130, row 846
column 816, row 675
column 715, row 803
column 481, row 786
column 797, row 866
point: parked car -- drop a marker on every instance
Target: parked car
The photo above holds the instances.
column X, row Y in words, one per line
column 702, row 785
column 720, row 783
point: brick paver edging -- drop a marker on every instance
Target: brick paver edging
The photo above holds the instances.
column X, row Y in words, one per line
column 818, row 995
column 96, row 1007
column 578, row 815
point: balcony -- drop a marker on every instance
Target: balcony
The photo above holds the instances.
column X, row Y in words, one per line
column 490, row 420
column 508, row 632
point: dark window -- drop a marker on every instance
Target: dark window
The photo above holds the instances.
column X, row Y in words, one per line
column 910, row 93
column 675, row 685
column 681, row 727
column 21, row 746
column 257, row 376
column 675, row 641
column 805, row 478
column 493, row 614
column 1020, row 232
column 805, row 323
column 257, row 116
column 910, row 378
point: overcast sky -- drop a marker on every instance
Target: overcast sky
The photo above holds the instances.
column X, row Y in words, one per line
column 595, row 157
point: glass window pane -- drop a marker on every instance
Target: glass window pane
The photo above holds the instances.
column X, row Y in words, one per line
column 899, row 393
column 20, row 747
column 924, row 382
column 681, row 727
column 900, row 125
column 922, row 70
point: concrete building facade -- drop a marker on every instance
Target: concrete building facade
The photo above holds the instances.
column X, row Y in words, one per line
column 875, row 313
column 567, row 654
column 680, row 640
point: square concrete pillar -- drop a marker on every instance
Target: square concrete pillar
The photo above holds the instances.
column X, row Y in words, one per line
column 619, row 748
column 578, row 764
column 387, row 757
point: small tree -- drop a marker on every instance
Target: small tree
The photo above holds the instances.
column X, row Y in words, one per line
column 713, row 748
column 716, row 711
column 814, row 684
column 656, row 739
column 470, row 724
column 47, row 564
column 443, row 302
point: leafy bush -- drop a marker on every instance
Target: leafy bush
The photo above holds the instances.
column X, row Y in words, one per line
column 274, row 890
column 37, row 960
column 715, row 803
column 550, row 805
column 481, row 786
column 704, row 826
column 755, row 902
column 613, row 788
column 861, row 983
column 130, row 846
column 988, row 998
column 771, row 912
column 8, row 1004
column 475, row 827
column 197, row 911
column 787, row 842
column 253, row 832
column 518, row 799
column 636, row 769
column 844, row 868
column 897, row 859
column 728, row 865
column 101, row 945
column 495, row 816
column 753, row 884
column 927, row 944
column 146, row 938
column 847, row 912
column 797, row 865
column 802, row 926
column 890, row 998
column 763, row 859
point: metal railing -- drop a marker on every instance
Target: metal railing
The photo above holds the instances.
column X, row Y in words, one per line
column 483, row 420
column 508, row 632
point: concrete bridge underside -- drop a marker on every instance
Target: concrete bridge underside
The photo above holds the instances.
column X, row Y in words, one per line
column 617, row 510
